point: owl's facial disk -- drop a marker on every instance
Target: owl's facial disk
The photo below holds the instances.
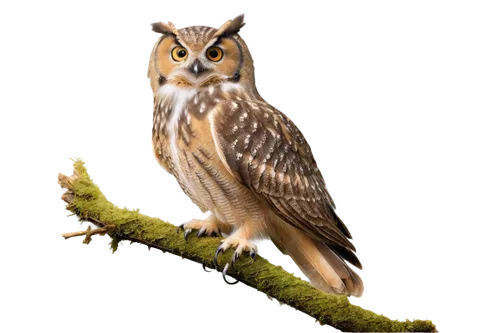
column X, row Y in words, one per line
column 198, row 65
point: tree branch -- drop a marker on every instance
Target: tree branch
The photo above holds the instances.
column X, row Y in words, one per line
column 89, row 233
column 86, row 201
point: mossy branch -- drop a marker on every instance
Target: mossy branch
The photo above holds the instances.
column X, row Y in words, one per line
column 86, row 201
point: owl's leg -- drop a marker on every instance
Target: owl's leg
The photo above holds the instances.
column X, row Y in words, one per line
column 240, row 240
column 211, row 226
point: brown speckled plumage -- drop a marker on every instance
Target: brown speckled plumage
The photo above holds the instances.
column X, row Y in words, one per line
column 237, row 156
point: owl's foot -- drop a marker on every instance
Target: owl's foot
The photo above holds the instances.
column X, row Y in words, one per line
column 240, row 244
column 207, row 227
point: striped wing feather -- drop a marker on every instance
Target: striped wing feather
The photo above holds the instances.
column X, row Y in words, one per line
column 265, row 151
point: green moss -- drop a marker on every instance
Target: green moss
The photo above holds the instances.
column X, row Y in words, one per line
column 90, row 204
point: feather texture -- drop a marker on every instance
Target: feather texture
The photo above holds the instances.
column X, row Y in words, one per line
column 242, row 159
column 268, row 153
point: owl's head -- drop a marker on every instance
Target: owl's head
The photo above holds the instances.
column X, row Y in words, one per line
column 198, row 56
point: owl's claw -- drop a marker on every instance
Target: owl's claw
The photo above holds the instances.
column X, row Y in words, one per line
column 224, row 272
column 228, row 281
column 207, row 227
column 235, row 257
column 205, row 232
column 217, row 252
column 253, row 254
column 237, row 254
column 186, row 233
column 240, row 245
column 201, row 232
column 205, row 268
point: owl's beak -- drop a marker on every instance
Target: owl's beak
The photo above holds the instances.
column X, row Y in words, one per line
column 197, row 68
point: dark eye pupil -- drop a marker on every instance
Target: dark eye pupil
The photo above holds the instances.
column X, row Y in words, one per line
column 213, row 53
column 181, row 53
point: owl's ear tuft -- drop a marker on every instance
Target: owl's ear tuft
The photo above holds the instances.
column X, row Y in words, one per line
column 164, row 28
column 231, row 27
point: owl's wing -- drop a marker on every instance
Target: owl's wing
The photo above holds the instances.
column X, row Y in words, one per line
column 264, row 150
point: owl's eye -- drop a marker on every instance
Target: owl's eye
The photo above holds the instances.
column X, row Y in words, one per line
column 214, row 53
column 179, row 53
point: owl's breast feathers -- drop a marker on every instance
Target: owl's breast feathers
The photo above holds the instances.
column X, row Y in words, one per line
column 265, row 151
column 260, row 148
column 182, row 114
column 184, row 145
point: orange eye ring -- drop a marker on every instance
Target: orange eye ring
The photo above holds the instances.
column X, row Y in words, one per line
column 214, row 53
column 179, row 53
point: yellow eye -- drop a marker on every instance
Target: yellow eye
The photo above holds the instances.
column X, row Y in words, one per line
column 214, row 53
column 179, row 53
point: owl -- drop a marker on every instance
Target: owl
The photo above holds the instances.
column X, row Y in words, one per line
column 240, row 158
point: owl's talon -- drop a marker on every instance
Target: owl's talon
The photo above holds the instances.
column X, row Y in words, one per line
column 205, row 268
column 224, row 272
column 235, row 257
column 180, row 227
column 253, row 254
column 219, row 250
column 206, row 227
column 201, row 232
column 186, row 234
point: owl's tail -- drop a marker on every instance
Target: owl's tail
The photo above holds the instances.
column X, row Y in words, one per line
column 324, row 268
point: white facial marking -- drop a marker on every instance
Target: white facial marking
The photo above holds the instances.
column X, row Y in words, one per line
column 211, row 90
